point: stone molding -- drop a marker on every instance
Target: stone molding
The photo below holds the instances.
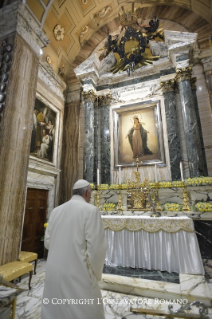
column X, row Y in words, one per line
column 167, row 86
column 41, row 167
column 89, row 96
column 183, row 74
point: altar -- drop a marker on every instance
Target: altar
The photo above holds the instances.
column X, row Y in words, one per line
column 164, row 243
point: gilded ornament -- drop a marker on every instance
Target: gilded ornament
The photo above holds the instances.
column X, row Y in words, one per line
column 59, row 32
column 183, row 74
column 167, row 86
column 89, row 96
column 84, row 2
column 104, row 99
column 48, row 59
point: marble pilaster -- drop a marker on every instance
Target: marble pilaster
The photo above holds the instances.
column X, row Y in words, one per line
column 199, row 126
column 70, row 163
column 192, row 135
column 89, row 152
column 104, row 103
column 208, row 77
column 172, row 128
column 96, row 141
column 16, row 122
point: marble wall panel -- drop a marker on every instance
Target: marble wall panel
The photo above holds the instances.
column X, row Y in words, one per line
column 204, row 236
column 15, row 134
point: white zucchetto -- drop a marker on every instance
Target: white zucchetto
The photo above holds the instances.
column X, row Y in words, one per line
column 81, row 183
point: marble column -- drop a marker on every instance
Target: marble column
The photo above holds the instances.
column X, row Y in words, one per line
column 89, row 153
column 193, row 88
column 168, row 88
column 20, row 53
column 192, row 134
column 104, row 104
column 208, row 77
column 96, row 141
column 70, row 163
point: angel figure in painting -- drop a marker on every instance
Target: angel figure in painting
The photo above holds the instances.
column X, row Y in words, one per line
column 137, row 137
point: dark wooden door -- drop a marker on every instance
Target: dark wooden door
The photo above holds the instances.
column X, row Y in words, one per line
column 35, row 217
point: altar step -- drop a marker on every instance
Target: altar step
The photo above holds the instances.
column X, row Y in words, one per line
column 191, row 288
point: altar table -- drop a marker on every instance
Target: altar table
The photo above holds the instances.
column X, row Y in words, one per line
column 160, row 243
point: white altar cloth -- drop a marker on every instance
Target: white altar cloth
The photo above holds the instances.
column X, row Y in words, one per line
column 164, row 243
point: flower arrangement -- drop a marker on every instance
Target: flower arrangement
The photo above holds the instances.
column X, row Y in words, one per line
column 109, row 206
column 114, row 186
column 103, row 186
column 178, row 183
column 45, row 225
column 165, row 184
column 172, row 207
column 203, row 207
column 196, row 181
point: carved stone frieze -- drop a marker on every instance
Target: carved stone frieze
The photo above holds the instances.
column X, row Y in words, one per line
column 167, row 86
column 104, row 99
column 89, row 96
column 183, row 74
column 193, row 83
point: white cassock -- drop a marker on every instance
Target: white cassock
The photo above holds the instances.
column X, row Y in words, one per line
column 77, row 248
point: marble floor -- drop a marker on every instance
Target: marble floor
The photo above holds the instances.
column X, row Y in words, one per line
column 117, row 305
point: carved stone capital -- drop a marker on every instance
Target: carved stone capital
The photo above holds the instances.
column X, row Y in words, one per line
column 183, row 74
column 104, row 99
column 193, row 83
column 89, row 96
column 168, row 86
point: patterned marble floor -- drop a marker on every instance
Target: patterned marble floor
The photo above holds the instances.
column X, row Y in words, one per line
column 29, row 302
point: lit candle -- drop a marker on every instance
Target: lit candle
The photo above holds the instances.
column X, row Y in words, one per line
column 97, row 176
column 181, row 171
column 119, row 175
column 156, row 178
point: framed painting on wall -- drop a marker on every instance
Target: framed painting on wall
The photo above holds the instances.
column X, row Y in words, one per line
column 43, row 131
column 138, row 134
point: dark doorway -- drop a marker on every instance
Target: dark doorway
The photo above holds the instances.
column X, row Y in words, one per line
column 35, row 217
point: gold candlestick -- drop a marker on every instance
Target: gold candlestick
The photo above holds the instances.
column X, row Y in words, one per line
column 98, row 198
column 158, row 204
column 119, row 206
column 185, row 199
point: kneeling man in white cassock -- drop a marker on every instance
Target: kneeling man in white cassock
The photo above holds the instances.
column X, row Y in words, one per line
column 77, row 247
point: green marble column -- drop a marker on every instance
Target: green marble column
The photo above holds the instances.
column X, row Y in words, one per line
column 190, row 123
column 104, row 105
column 88, row 154
column 168, row 88
column 194, row 92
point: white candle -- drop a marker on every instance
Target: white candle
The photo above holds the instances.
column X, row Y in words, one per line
column 181, row 171
column 119, row 175
column 97, row 176
column 156, row 178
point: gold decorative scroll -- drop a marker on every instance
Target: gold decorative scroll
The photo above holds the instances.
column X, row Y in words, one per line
column 151, row 225
column 183, row 74
column 167, row 86
column 89, row 96
column 104, row 99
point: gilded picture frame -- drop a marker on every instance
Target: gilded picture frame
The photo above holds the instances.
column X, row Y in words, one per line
column 138, row 133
